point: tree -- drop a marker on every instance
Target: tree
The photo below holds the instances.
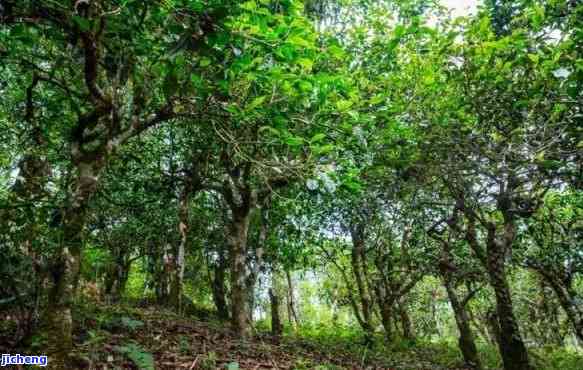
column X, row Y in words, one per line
column 93, row 55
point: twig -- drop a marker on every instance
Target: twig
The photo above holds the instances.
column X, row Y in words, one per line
column 193, row 363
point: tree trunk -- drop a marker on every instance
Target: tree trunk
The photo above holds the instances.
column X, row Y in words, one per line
column 162, row 273
column 481, row 329
column 568, row 301
column 218, row 286
column 57, row 326
column 408, row 332
column 122, row 275
column 237, row 240
column 276, row 326
column 466, row 340
column 358, row 263
column 291, row 306
column 116, row 275
column 255, row 261
column 510, row 343
column 65, row 269
column 512, row 348
column 177, row 279
column 386, row 310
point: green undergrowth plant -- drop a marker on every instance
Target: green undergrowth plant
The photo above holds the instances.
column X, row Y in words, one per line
column 556, row 358
column 208, row 361
column 138, row 355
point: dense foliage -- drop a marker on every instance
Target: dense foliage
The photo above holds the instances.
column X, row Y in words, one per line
column 381, row 173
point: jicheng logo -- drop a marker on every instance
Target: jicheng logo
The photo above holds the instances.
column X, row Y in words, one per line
column 8, row 359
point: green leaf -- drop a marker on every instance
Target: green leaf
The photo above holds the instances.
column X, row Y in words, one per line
column 196, row 80
column 294, row 141
column 204, row 62
column 534, row 58
column 306, row 64
column 299, row 41
column 255, row 102
column 305, row 86
column 320, row 150
column 336, row 52
column 343, row 105
column 83, row 23
column 318, row 137
column 270, row 129
column 143, row 360
column 249, row 5
column 377, row 99
column 233, row 109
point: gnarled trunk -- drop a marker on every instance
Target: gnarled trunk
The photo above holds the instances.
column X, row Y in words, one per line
column 65, row 267
column 510, row 343
column 386, row 310
column 57, row 325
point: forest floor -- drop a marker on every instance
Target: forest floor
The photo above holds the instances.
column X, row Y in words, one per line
column 123, row 337
column 142, row 336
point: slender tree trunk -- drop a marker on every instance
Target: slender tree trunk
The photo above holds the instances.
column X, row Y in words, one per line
column 116, row 274
column 30, row 185
column 358, row 263
column 250, row 290
column 255, row 261
column 123, row 271
column 512, row 348
column 493, row 326
column 218, row 286
column 177, row 279
column 481, row 329
column 466, row 340
column 568, row 301
column 292, row 314
column 408, row 331
column 237, row 240
column 163, row 268
column 276, row 326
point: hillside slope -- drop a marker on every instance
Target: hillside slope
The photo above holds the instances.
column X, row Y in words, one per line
column 122, row 337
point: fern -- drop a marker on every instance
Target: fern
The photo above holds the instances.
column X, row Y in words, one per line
column 140, row 357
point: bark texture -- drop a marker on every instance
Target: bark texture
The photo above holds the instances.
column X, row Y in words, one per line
column 237, row 240
column 219, row 289
column 466, row 342
column 276, row 326
column 359, row 270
